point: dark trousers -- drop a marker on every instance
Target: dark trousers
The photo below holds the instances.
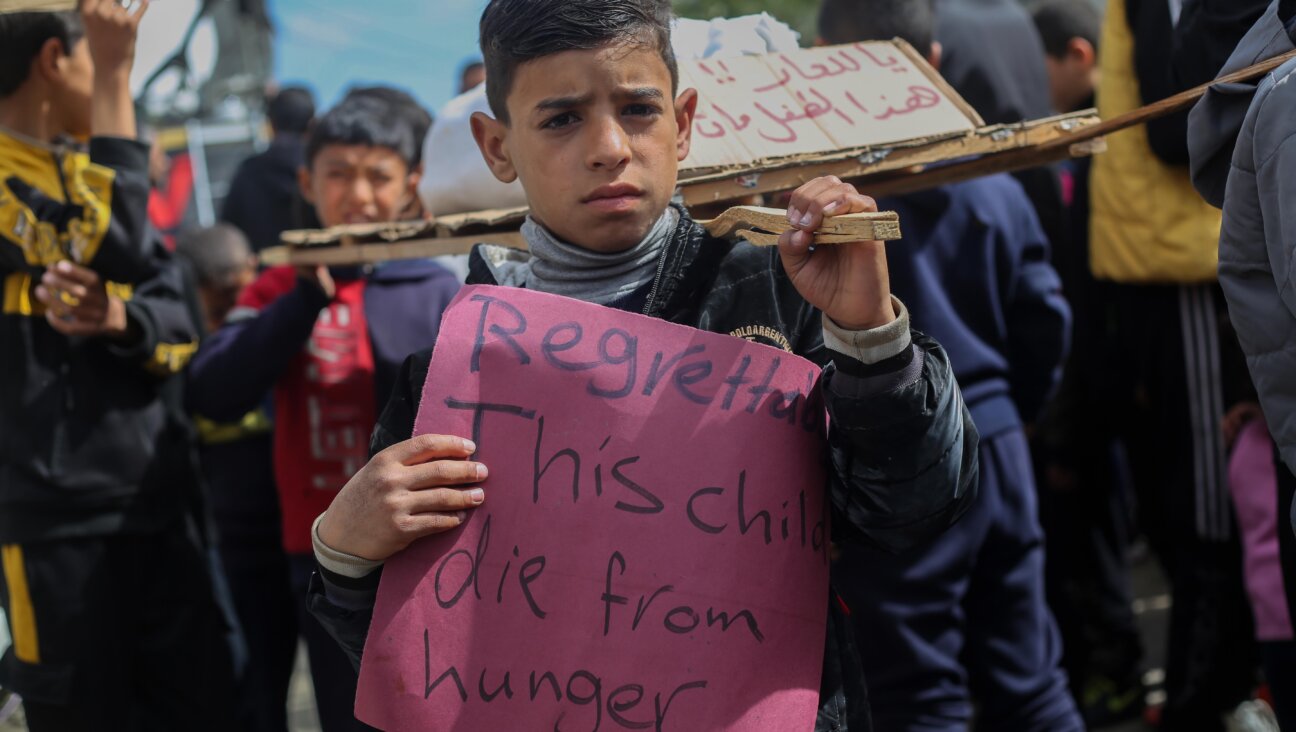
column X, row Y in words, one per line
column 117, row 633
column 1088, row 526
column 1280, row 658
column 1287, row 538
column 258, row 579
column 1170, row 369
column 332, row 674
column 1279, row 661
column 965, row 617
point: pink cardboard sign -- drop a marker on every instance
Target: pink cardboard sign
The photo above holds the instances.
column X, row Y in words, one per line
column 652, row 553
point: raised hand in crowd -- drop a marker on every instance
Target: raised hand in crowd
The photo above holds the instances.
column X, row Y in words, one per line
column 111, row 30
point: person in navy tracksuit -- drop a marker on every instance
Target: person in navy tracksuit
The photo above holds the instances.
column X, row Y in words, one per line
column 965, row 617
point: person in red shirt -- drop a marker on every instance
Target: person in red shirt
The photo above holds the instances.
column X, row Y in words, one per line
column 327, row 343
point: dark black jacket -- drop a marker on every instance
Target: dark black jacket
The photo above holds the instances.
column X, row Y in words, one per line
column 1200, row 40
column 903, row 452
column 92, row 439
column 263, row 196
column 991, row 53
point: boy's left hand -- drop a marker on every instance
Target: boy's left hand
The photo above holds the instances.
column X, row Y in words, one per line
column 77, row 303
column 847, row 282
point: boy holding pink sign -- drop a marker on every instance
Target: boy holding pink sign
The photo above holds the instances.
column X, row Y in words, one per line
column 587, row 114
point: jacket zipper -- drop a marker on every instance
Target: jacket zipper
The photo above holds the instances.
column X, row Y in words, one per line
column 657, row 279
column 65, row 369
column 67, row 194
column 661, row 270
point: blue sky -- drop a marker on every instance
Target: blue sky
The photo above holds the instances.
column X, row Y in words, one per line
column 417, row 45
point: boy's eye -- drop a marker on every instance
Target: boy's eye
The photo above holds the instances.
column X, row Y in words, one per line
column 641, row 110
column 560, row 121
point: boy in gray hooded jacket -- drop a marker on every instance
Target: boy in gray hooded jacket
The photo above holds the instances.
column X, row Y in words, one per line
column 1242, row 142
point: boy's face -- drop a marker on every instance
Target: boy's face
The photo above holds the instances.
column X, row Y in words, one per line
column 357, row 184
column 596, row 139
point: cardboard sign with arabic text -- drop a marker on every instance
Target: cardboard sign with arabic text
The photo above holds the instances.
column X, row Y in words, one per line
column 652, row 553
column 818, row 100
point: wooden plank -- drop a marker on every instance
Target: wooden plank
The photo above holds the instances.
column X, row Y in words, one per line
column 926, row 178
column 36, row 6
column 761, row 226
column 860, row 164
column 1003, row 148
column 352, row 254
column 1083, row 141
column 746, row 220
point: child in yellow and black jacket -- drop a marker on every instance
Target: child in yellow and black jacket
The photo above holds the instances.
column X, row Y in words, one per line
column 107, row 595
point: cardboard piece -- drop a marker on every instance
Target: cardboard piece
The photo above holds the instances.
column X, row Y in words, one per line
column 652, row 550
column 36, row 6
column 759, row 108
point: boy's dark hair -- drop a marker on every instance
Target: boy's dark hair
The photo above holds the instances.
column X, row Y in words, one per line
column 514, row 32
column 363, row 120
column 215, row 253
column 403, row 105
column 1059, row 21
column 21, row 37
column 854, row 21
column 291, row 110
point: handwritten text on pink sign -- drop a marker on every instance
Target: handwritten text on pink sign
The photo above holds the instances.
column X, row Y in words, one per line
column 652, row 551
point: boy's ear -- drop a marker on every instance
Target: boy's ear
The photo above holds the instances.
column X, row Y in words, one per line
column 304, row 182
column 415, row 177
column 685, row 107
column 491, row 135
column 1082, row 51
column 412, row 181
column 48, row 62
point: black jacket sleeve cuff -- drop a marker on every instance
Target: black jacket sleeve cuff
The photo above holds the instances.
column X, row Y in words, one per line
column 116, row 152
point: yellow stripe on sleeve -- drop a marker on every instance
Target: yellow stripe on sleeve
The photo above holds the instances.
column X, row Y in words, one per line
column 17, row 295
column 22, row 617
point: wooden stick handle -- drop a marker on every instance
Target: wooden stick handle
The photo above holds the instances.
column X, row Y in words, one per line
column 377, row 253
column 759, row 223
column 760, row 226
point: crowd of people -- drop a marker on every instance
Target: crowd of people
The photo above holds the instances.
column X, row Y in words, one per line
column 204, row 463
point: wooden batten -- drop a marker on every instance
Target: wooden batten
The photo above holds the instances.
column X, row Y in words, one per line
column 902, row 167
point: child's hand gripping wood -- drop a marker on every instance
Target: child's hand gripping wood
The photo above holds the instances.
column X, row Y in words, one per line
column 763, row 226
column 848, row 282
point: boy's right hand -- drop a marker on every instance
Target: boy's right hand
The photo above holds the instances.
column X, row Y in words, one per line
column 416, row 488
column 110, row 31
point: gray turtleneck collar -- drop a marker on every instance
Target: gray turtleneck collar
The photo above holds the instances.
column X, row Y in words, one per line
column 559, row 268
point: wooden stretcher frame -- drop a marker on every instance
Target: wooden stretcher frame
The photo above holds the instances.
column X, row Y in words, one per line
column 877, row 171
